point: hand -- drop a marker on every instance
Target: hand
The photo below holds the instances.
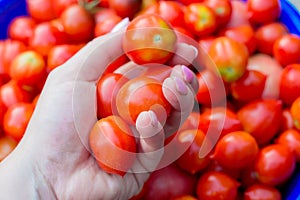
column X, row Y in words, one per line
column 54, row 158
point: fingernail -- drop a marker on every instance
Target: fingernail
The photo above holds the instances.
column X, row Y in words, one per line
column 187, row 74
column 180, row 86
column 195, row 50
column 154, row 120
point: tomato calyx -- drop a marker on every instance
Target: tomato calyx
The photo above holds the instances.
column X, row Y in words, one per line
column 90, row 6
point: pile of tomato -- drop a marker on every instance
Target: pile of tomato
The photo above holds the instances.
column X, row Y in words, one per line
column 248, row 70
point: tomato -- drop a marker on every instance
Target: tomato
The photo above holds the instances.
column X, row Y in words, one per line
column 125, row 8
column 60, row 5
column 222, row 10
column 142, row 94
column 12, row 92
column 262, row 192
column 28, row 68
column 267, row 34
column 211, row 88
column 106, row 26
column 190, row 160
column 59, row 54
column 16, row 119
column 188, row 2
column 286, row 49
column 107, row 88
column 290, row 84
column 290, row 138
column 262, row 12
column 113, row 145
column 275, row 164
column 3, row 109
column 185, row 197
column 7, row 145
column 217, row 186
column 167, row 183
column 232, row 64
column 236, row 150
column 262, row 119
column 21, row 28
column 244, row 34
column 171, row 11
column 41, row 10
column 45, row 36
column 239, row 15
column 149, row 39
column 78, row 23
column 295, row 112
column 200, row 19
column 249, row 87
column 104, row 14
column 205, row 42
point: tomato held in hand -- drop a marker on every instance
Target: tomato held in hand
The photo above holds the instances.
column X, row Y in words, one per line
column 149, row 39
column 113, row 145
column 7, row 145
column 230, row 57
column 275, row 164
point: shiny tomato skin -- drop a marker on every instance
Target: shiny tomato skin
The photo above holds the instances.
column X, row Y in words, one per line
column 295, row 112
column 7, row 145
column 21, row 28
column 261, row 118
column 113, row 145
column 60, row 5
column 236, row 150
column 275, row 164
column 142, row 94
column 105, row 26
column 125, row 8
column 107, row 89
column 104, row 14
column 41, row 10
column 149, row 39
column 28, row 68
column 217, row 186
column 290, row 138
column 267, row 34
column 171, row 11
column 190, row 161
column 286, row 49
column 249, row 87
column 222, row 10
column 200, row 19
column 232, row 64
column 262, row 12
column 78, row 24
column 16, row 119
column 290, row 84
column 262, row 192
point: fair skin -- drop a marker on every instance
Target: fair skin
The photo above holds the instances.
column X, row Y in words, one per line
column 53, row 160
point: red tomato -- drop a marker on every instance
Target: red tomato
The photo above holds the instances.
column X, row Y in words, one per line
column 60, row 5
column 113, row 145
column 232, row 64
column 200, row 19
column 217, row 186
column 28, row 68
column 125, row 8
column 261, row 118
column 185, row 197
column 21, row 28
column 171, row 11
column 211, row 88
column 275, row 164
column 107, row 89
column 59, row 54
column 267, row 34
column 188, row 2
column 249, row 87
column 142, row 94
column 243, row 34
column 45, row 36
column 236, row 150
column 7, row 145
column 290, row 138
column 295, row 112
column 262, row 12
column 239, row 15
column 104, row 14
column 16, row 119
column 12, row 92
column 222, row 9
column 3, row 109
column 118, row 62
column 290, row 84
column 41, row 10
column 149, row 39
column 190, row 161
column 286, row 49
column 262, row 192
column 107, row 25
column 78, row 23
